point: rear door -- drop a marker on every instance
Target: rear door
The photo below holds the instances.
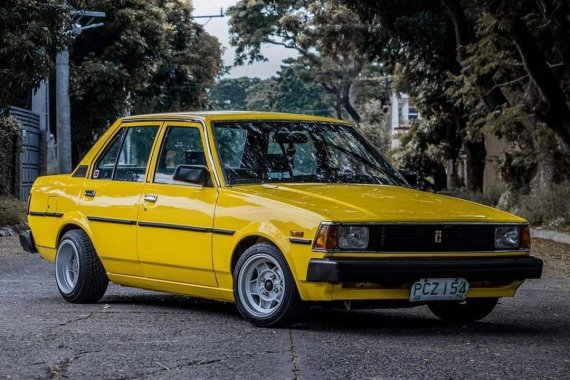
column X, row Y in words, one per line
column 175, row 219
column 111, row 194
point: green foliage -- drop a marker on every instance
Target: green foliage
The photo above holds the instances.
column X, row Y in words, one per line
column 10, row 147
column 150, row 56
column 375, row 125
column 418, row 153
column 30, row 31
column 231, row 93
column 12, row 211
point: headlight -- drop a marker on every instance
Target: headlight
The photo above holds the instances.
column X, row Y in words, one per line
column 507, row 237
column 353, row 237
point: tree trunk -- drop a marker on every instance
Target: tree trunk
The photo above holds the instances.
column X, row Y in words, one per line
column 452, row 176
column 345, row 97
column 541, row 75
column 476, row 153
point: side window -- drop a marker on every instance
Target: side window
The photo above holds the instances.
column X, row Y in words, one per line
column 181, row 146
column 106, row 163
column 231, row 142
column 131, row 162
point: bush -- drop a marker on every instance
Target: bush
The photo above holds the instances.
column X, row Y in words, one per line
column 12, row 211
column 549, row 207
column 10, row 146
column 490, row 198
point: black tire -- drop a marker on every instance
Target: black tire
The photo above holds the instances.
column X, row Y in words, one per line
column 284, row 312
column 87, row 281
column 471, row 310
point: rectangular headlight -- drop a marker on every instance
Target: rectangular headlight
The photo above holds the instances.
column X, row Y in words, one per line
column 353, row 237
column 507, row 237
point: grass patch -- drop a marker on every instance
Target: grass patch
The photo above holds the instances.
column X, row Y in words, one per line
column 12, row 211
column 556, row 257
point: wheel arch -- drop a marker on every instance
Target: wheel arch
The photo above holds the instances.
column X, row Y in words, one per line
column 66, row 228
column 245, row 243
column 73, row 221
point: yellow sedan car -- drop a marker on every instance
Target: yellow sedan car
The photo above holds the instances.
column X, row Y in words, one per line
column 273, row 212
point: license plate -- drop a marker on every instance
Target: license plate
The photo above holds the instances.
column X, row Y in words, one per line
column 439, row 289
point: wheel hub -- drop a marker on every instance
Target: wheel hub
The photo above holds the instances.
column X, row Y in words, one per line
column 262, row 285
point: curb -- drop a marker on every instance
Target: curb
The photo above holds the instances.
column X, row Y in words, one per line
column 557, row 236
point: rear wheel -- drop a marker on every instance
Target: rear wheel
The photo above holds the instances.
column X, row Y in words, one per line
column 471, row 310
column 79, row 274
column 264, row 288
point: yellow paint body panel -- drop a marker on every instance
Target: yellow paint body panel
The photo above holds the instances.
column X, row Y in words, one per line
column 199, row 262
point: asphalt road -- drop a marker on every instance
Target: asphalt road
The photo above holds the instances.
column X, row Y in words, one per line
column 135, row 334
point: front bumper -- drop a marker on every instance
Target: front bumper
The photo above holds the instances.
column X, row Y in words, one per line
column 395, row 271
column 27, row 242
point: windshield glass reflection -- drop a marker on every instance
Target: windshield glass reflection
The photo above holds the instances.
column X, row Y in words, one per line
column 299, row 152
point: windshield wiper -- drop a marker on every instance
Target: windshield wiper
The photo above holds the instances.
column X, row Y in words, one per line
column 364, row 160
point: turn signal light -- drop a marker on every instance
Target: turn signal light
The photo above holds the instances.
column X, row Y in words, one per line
column 327, row 237
column 525, row 237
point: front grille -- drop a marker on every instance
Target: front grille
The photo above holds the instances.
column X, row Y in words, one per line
column 432, row 238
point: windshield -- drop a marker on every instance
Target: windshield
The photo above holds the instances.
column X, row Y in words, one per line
column 300, row 152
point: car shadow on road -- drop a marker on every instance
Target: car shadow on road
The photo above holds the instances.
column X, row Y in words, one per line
column 398, row 322
column 169, row 303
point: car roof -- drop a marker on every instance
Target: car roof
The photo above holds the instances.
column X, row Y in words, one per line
column 231, row 116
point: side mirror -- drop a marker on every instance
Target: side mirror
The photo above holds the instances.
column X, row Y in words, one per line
column 411, row 177
column 195, row 174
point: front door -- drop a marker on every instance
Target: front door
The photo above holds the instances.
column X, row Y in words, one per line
column 175, row 219
column 111, row 194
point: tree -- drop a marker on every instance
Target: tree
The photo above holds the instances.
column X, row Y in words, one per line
column 187, row 69
column 525, row 97
column 326, row 34
column 414, row 39
column 149, row 57
column 30, row 32
column 502, row 80
column 288, row 91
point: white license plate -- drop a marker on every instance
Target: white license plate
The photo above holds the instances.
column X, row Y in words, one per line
column 439, row 289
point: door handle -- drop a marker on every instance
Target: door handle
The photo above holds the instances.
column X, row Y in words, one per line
column 150, row 198
column 89, row 193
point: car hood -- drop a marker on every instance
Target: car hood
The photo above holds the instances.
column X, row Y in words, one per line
column 356, row 203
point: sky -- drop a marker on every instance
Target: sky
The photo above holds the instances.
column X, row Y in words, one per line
column 219, row 27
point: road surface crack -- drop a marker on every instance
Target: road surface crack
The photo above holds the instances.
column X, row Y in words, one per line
column 77, row 319
column 295, row 357
column 190, row 364
column 59, row 370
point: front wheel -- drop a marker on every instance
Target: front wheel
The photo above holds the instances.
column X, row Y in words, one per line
column 264, row 288
column 79, row 274
column 471, row 310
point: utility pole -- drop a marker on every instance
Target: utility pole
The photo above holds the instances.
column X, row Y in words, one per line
column 62, row 88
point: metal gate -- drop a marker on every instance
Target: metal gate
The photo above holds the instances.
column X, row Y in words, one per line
column 30, row 156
